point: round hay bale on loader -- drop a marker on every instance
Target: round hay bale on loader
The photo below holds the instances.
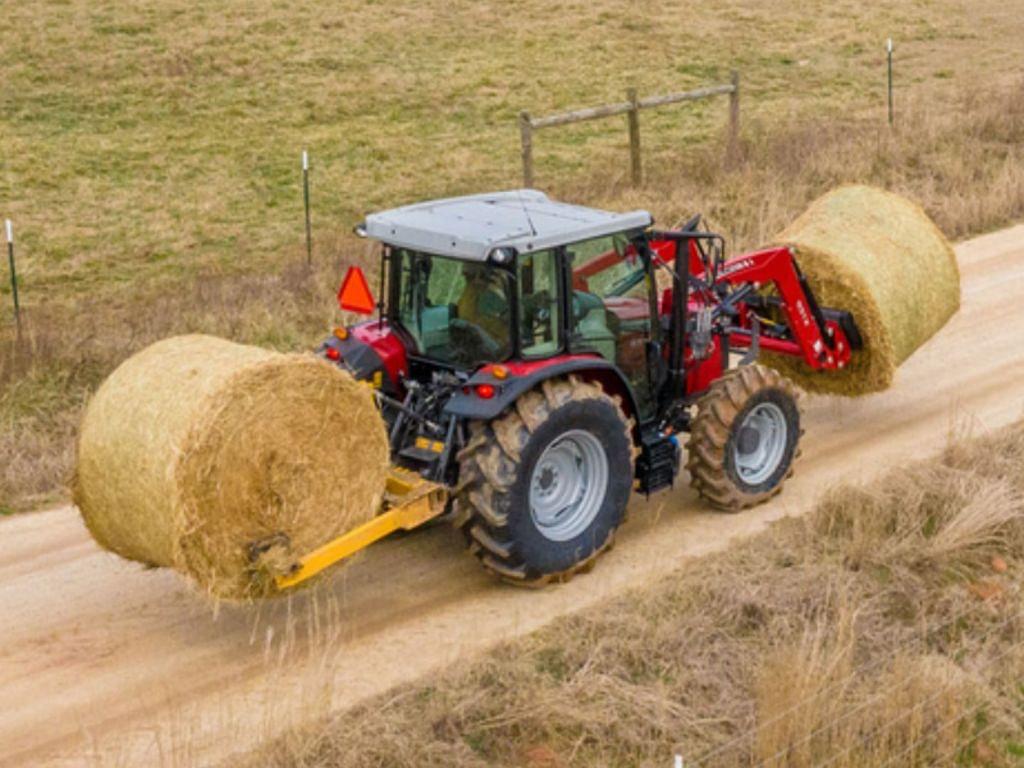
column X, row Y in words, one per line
column 197, row 447
column 879, row 256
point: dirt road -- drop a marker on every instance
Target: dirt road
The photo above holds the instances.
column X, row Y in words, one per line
column 104, row 663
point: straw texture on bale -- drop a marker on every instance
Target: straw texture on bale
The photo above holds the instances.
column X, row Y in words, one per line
column 879, row 256
column 196, row 446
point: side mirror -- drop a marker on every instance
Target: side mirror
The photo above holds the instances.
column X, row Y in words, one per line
column 354, row 294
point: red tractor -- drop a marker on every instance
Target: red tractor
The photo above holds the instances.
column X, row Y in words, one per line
column 539, row 360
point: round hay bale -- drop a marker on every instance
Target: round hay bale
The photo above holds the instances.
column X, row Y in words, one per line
column 196, row 446
column 879, row 256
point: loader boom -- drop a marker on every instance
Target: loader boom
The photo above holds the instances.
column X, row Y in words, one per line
column 755, row 301
column 821, row 342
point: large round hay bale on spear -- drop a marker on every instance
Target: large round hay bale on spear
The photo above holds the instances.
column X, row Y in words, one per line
column 879, row 256
column 196, row 447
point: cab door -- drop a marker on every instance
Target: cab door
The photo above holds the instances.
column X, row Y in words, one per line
column 614, row 309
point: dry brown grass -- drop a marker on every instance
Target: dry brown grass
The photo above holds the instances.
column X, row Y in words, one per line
column 879, row 630
column 964, row 165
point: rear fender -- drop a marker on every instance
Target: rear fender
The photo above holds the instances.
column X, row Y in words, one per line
column 523, row 377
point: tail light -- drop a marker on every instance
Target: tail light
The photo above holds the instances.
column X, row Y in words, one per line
column 332, row 354
column 485, row 391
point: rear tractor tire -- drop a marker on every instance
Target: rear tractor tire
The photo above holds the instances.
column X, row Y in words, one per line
column 543, row 487
column 744, row 438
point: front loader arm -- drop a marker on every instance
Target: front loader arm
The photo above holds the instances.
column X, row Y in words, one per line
column 821, row 341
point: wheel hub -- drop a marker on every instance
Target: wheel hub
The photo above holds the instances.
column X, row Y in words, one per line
column 548, row 478
column 749, row 440
column 568, row 485
column 760, row 443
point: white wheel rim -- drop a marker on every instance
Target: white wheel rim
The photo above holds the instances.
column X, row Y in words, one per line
column 568, row 485
column 760, row 443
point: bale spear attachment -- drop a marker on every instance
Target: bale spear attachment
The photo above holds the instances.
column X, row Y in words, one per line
column 409, row 502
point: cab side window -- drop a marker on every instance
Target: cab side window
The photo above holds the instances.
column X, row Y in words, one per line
column 456, row 311
column 539, row 318
column 611, row 307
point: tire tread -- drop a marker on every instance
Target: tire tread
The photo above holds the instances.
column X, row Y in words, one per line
column 717, row 409
column 490, row 463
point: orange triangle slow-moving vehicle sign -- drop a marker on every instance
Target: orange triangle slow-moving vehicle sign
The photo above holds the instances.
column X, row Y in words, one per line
column 354, row 294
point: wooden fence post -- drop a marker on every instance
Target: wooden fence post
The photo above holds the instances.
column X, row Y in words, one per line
column 635, row 168
column 526, row 137
column 733, row 145
column 631, row 108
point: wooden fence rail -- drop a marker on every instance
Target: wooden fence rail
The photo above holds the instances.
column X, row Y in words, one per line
column 631, row 107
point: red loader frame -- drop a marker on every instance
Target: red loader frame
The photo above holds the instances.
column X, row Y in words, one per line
column 730, row 300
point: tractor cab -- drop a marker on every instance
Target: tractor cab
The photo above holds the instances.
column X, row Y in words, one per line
column 515, row 279
column 466, row 313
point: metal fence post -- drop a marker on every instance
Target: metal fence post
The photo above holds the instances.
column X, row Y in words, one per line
column 14, row 273
column 733, row 145
column 636, row 170
column 305, row 198
column 526, row 137
column 888, row 53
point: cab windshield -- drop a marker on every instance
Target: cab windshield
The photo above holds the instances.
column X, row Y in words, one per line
column 458, row 312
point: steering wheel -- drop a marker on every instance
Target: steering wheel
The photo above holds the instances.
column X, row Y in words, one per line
column 471, row 343
column 537, row 310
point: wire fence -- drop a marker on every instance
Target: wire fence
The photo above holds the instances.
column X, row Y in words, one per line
column 631, row 107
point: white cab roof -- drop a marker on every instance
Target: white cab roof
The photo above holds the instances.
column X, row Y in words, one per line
column 471, row 227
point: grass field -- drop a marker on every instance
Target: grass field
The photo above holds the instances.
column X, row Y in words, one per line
column 882, row 630
column 149, row 152
column 142, row 141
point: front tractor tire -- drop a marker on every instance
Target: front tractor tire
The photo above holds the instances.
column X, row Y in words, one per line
column 543, row 487
column 744, row 438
